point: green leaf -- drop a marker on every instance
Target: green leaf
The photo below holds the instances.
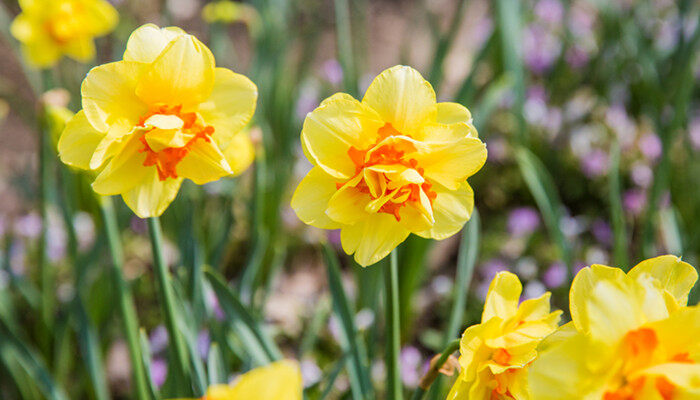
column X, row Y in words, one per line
column 357, row 363
column 259, row 346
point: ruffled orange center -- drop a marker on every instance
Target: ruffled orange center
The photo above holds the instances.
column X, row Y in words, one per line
column 169, row 138
column 639, row 349
column 389, row 177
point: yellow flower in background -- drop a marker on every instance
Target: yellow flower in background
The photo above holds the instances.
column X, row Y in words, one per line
column 228, row 12
column 393, row 164
column 162, row 114
column 495, row 354
column 49, row 29
column 280, row 380
column 632, row 337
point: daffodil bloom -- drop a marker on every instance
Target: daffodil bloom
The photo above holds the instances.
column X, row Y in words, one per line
column 495, row 354
column 392, row 164
column 280, row 380
column 227, row 12
column 632, row 337
column 162, row 114
column 48, row 29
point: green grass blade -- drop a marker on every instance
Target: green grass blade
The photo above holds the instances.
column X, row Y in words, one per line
column 617, row 215
column 542, row 188
column 468, row 252
column 32, row 364
column 357, row 363
column 260, row 347
column 216, row 369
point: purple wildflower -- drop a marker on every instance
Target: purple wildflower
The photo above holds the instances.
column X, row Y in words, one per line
column 523, row 221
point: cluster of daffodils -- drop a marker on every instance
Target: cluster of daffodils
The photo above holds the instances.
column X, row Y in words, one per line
column 632, row 337
column 162, row 114
column 395, row 163
column 494, row 354
column 49, row 29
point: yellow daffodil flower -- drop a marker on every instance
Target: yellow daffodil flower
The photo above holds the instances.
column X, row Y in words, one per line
column 495, row 354
column 228, row 12
column 392, row 164
column 49, row 29
column 632, row 337
column 162, row 114
column 280, row 380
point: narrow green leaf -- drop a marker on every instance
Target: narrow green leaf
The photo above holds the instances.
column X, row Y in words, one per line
column 216, row 369
column 357, row 363
column 260, row 347
column 542, row 188
column 617, row 215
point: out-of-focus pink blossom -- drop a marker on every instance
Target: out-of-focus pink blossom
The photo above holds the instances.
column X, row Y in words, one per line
column 650, row 146
column 28, row 226
column 533, row 289
column 595, row 164
column 555, row 275
column 410, row 360
column 550, row 11
column 159, row 371
column 523, row 221
column 601, row 231
column 332, row 71
column 694, row 133
column 641, row 174
column 634, row 201
column 540, row 48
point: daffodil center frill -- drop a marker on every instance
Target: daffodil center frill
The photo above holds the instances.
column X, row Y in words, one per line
column 640, row 349
column 169, row 136
column 392, row 179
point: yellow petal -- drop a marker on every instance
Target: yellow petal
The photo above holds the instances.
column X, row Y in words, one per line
column 402, row 98
column 311, row 198
column 684, row 377
column 42, row 53
column 124, row 171
column 111, row 144
column 438, row 133
column 452, row 113
column 563, row 371
column 183, row 74
column 333, row 128
column 278, row 381
column 348, row 205
column 23, row 28
column 675, row 276
column 204, row 163
column 373, row 238
column 219, row 392
column 230, row 106
column 81, row 49
column 240, row 152
column 109, row 97
column 450, row 164
column 502, row 297
column 451, row 210
column 78, row 141
column 679, row 332
column 151, row 196
column 612, row 310
column 102, row 17
column 581, row 288
column 147, row 42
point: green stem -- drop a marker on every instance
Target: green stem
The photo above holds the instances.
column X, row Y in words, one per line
column 45, row 164
column 393, row 334
column 434, row 370
column 167, row 299
column 126, row 302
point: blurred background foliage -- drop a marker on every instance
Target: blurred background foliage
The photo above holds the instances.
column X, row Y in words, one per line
column 589, row 109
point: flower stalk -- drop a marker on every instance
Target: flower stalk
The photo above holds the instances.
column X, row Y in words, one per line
column 126, row 302
column 393, row 334
column 167, row 300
